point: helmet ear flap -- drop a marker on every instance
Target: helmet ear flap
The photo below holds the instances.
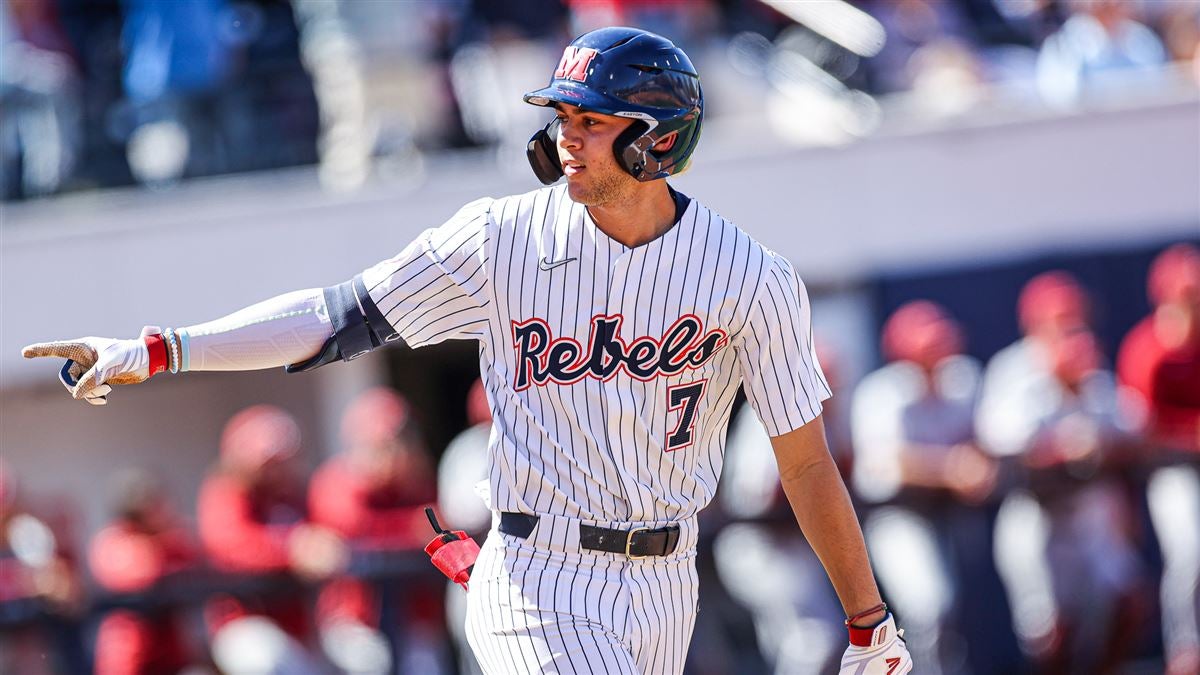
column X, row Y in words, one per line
column 631, row 148
column 542, row 152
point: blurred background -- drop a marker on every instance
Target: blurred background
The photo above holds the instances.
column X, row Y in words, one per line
column 995, row 205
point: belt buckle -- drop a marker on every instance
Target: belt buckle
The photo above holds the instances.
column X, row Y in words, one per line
column 629, row 543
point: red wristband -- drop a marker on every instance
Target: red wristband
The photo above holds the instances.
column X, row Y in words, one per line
column 157, row 347
column 868, row 636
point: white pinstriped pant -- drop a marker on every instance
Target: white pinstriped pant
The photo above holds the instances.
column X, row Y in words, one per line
column 537, row 606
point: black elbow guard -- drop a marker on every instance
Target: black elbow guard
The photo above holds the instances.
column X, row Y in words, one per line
column 358, row 326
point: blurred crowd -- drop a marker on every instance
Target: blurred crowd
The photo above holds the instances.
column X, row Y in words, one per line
column 1037, row 514
column 100, row 93
column 281, row 572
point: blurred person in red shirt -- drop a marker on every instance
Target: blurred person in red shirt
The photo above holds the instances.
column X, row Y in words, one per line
column 1160, row 359
column 252, row 521
column 374, row 495
column 41, row 597
column 918, row 464
column 375, row 492
column 1065, row 545
column 146, row 544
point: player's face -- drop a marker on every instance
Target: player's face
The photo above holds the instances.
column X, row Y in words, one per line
column 585, row 142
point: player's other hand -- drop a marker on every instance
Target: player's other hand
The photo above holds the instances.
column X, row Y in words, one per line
column 876, row 651
column 96, row 363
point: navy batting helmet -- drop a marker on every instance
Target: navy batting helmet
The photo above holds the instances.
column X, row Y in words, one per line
column 629, row 73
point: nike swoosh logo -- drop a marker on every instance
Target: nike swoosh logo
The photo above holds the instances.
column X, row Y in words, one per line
column 545, row 265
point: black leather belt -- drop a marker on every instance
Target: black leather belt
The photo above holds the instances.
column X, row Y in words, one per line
column 639, row 542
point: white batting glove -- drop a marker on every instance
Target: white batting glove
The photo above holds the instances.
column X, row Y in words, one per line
column 876, row 651
column 95, row 363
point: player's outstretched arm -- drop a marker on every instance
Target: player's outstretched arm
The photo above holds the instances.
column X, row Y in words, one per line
column 822, row 507
column 287, row 329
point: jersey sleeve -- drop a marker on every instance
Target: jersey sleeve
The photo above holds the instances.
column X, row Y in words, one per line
column 776, row 354
column 437, row 288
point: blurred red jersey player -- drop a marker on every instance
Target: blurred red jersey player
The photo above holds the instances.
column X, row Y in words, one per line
column 375, row 492
column 1160, row 357
column 374, row 495
column 1067, row 553
column 252, row 521
column 144, row 545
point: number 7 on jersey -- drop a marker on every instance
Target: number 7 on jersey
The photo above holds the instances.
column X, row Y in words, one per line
column 685, row 398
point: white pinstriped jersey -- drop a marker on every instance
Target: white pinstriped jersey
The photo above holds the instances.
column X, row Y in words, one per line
column 610, row 370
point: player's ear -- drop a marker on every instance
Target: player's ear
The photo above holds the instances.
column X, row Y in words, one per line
column 665, row 143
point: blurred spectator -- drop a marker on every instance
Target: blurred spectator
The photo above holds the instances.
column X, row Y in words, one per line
column 918, row 463
column 501, row 47
column 331, row 52
column 374, row 495
column 1025, row 22
column 214, row 86
column 463, row 505
column 947, row 77
column 145, row 545
column 176, row 53
column 910, row 26
column 252, row 522
column 40, row 594
column 1160, row 358
column 93, row 28
column 1064, row 548
column 1101, row 37
column 39, row 102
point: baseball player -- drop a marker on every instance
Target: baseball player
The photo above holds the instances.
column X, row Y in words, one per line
column 616, row 319
column 917, row 465
column 1053, row 414
column 1160, row 360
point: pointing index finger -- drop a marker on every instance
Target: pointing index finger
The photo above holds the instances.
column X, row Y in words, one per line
column 75, row 351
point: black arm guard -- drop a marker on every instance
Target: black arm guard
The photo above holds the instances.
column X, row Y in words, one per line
column 358, row 326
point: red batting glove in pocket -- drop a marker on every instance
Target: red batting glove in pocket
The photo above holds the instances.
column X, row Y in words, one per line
column 452, row 552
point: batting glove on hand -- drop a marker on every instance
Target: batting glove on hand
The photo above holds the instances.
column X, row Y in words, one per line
column 95, row 363
column 876, row 651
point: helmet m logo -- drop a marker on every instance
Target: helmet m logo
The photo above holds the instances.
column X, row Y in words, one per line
column 574, row 63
